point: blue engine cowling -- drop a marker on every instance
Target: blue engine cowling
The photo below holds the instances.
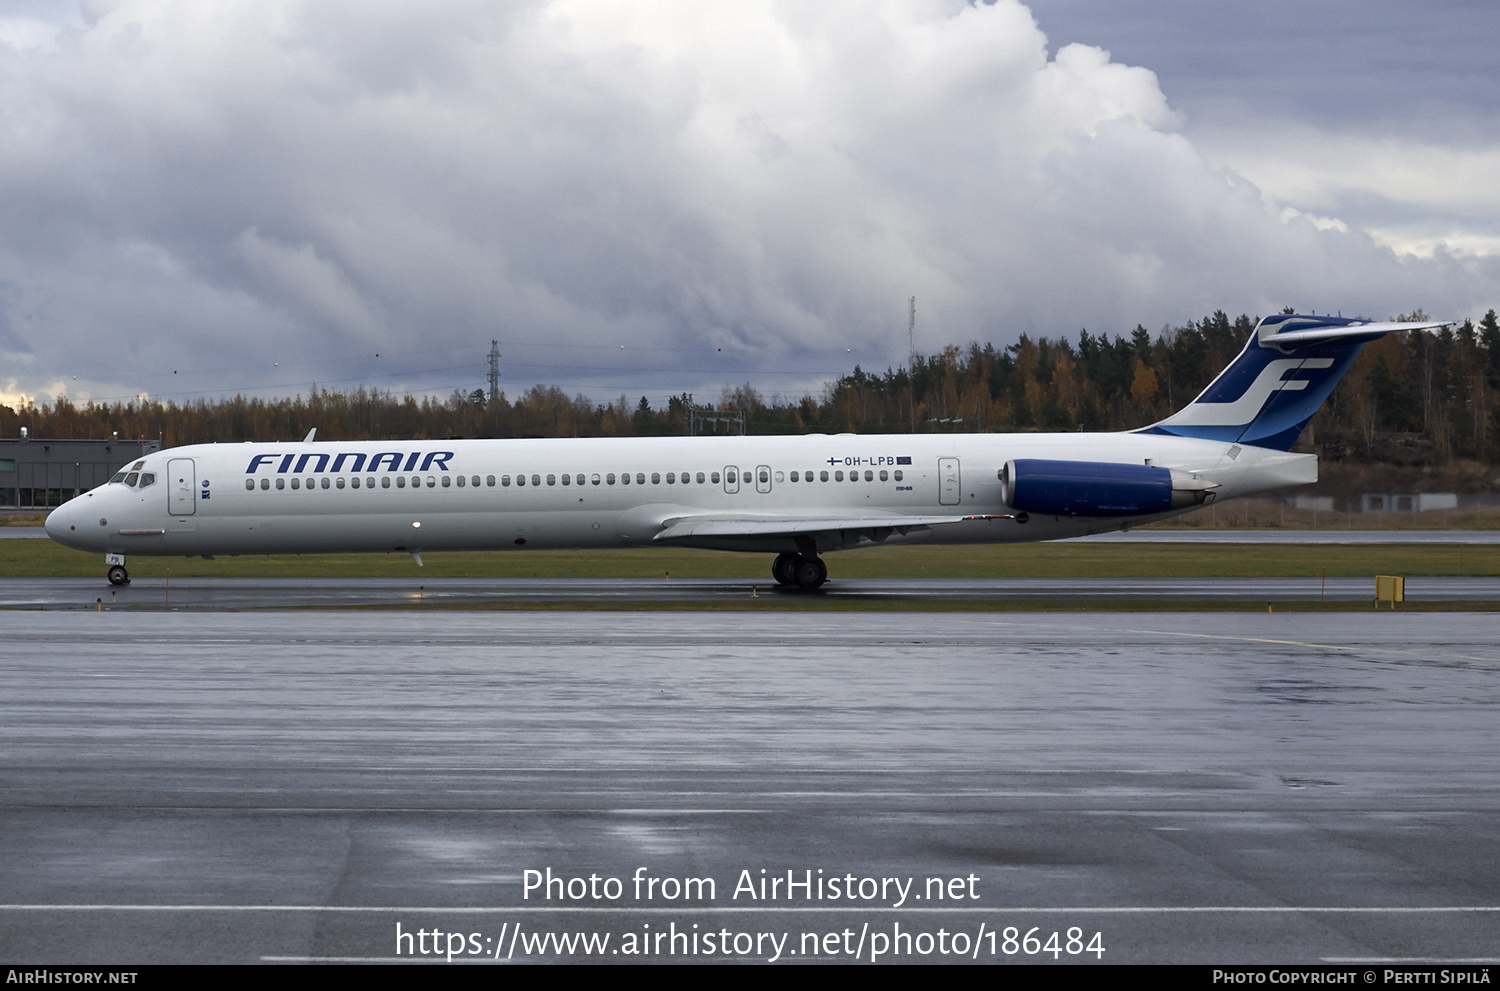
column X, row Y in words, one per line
column 1097, row 488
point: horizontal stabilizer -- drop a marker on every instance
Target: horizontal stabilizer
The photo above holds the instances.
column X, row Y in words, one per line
column 1319, row 335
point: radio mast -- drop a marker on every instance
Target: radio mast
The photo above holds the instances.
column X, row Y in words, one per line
column 494, row 357
column 911, row 360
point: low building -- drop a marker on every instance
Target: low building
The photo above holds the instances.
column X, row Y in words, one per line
column 1407, row 502
column 44, row 473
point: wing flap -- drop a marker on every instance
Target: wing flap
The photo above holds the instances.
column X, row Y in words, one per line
column 698, row 527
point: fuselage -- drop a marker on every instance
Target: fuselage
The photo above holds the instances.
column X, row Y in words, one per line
column 428, row 495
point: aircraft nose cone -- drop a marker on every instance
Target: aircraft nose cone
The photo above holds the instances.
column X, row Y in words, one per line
column 57, row 523
column 65, row 525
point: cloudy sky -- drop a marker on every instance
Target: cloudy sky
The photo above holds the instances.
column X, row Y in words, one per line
column 199, row 199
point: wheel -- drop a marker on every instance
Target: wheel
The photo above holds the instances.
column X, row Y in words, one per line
column 784, row 569
column 118, row 575
column 811, row 573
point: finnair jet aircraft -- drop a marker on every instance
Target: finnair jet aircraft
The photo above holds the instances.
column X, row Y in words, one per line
column 795, row 497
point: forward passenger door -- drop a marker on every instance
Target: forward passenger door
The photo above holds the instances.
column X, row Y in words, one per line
column 182, row 487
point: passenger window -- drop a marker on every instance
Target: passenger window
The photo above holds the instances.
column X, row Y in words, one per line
column 249, row 484
column 822, row 476
column 640, row 478
column 779, row 476
column 838, row 476
column 567, row 479
column 339, row 482
column 432, row 482
column 370, row 482
column 747, row 476
column 700, row 478
column 869, row 475
column 671, row 477
column 656, row 478
column 400, row 481
column 325, row 482
column 794, row 476
column 447, row 482
column 489, row 480
column 520, row 479
column 579, row 480
column 265, row 483
column 551, row 480
column 536, row 480
column 354, row 482
column 385, row 482
column 281, row 483
column 625, row 478
column 296, row 482
column 715, row 478
column 898, row 474
column 610, row 478
column 882, row 474
column 595, row 479
column 460, row 481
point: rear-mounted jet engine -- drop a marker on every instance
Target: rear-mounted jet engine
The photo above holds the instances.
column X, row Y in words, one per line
column 1098, row 488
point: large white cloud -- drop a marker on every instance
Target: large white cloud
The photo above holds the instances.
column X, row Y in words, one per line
column 265, row 192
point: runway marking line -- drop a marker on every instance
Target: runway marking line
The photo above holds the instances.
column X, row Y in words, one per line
column 1320, row 646
column 1287, row 643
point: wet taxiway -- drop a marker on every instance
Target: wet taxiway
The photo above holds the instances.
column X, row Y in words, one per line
column 1217, row 788
column 281, row 593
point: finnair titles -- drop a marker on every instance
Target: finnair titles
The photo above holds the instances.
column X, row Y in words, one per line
column 797, row 498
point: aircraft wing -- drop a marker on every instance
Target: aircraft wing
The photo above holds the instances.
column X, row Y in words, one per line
column 687, row 527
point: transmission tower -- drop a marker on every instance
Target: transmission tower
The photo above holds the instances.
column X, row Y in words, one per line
column 494, row 357
column 911, row 360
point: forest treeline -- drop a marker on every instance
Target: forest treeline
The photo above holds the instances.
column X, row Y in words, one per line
column 1423, row 398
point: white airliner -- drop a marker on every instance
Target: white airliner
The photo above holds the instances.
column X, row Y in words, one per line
column 795, row 497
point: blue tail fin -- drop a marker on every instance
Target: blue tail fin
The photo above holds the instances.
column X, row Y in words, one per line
column 1288, row 367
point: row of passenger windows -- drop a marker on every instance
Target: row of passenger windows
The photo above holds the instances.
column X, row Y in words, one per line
column 625, row 478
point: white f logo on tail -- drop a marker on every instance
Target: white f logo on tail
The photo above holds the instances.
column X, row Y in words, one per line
column 1246, row 408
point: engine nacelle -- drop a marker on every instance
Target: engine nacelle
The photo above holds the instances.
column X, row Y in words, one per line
column 1098, row 488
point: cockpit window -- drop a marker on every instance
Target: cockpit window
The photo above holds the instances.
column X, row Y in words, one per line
column 131, row 478
column 147, row 478
column 119, row 477
column 138, row 466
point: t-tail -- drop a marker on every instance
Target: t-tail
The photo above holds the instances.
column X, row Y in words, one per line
column 1289, row 366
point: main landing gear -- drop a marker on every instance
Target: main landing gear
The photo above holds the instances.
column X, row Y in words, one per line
column 801, row 570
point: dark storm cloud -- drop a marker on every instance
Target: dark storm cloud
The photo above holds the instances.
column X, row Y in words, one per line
column 266, row 193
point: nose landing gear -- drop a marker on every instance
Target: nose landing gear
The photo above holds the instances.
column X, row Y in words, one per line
column 806, row 571
column 117, row 573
